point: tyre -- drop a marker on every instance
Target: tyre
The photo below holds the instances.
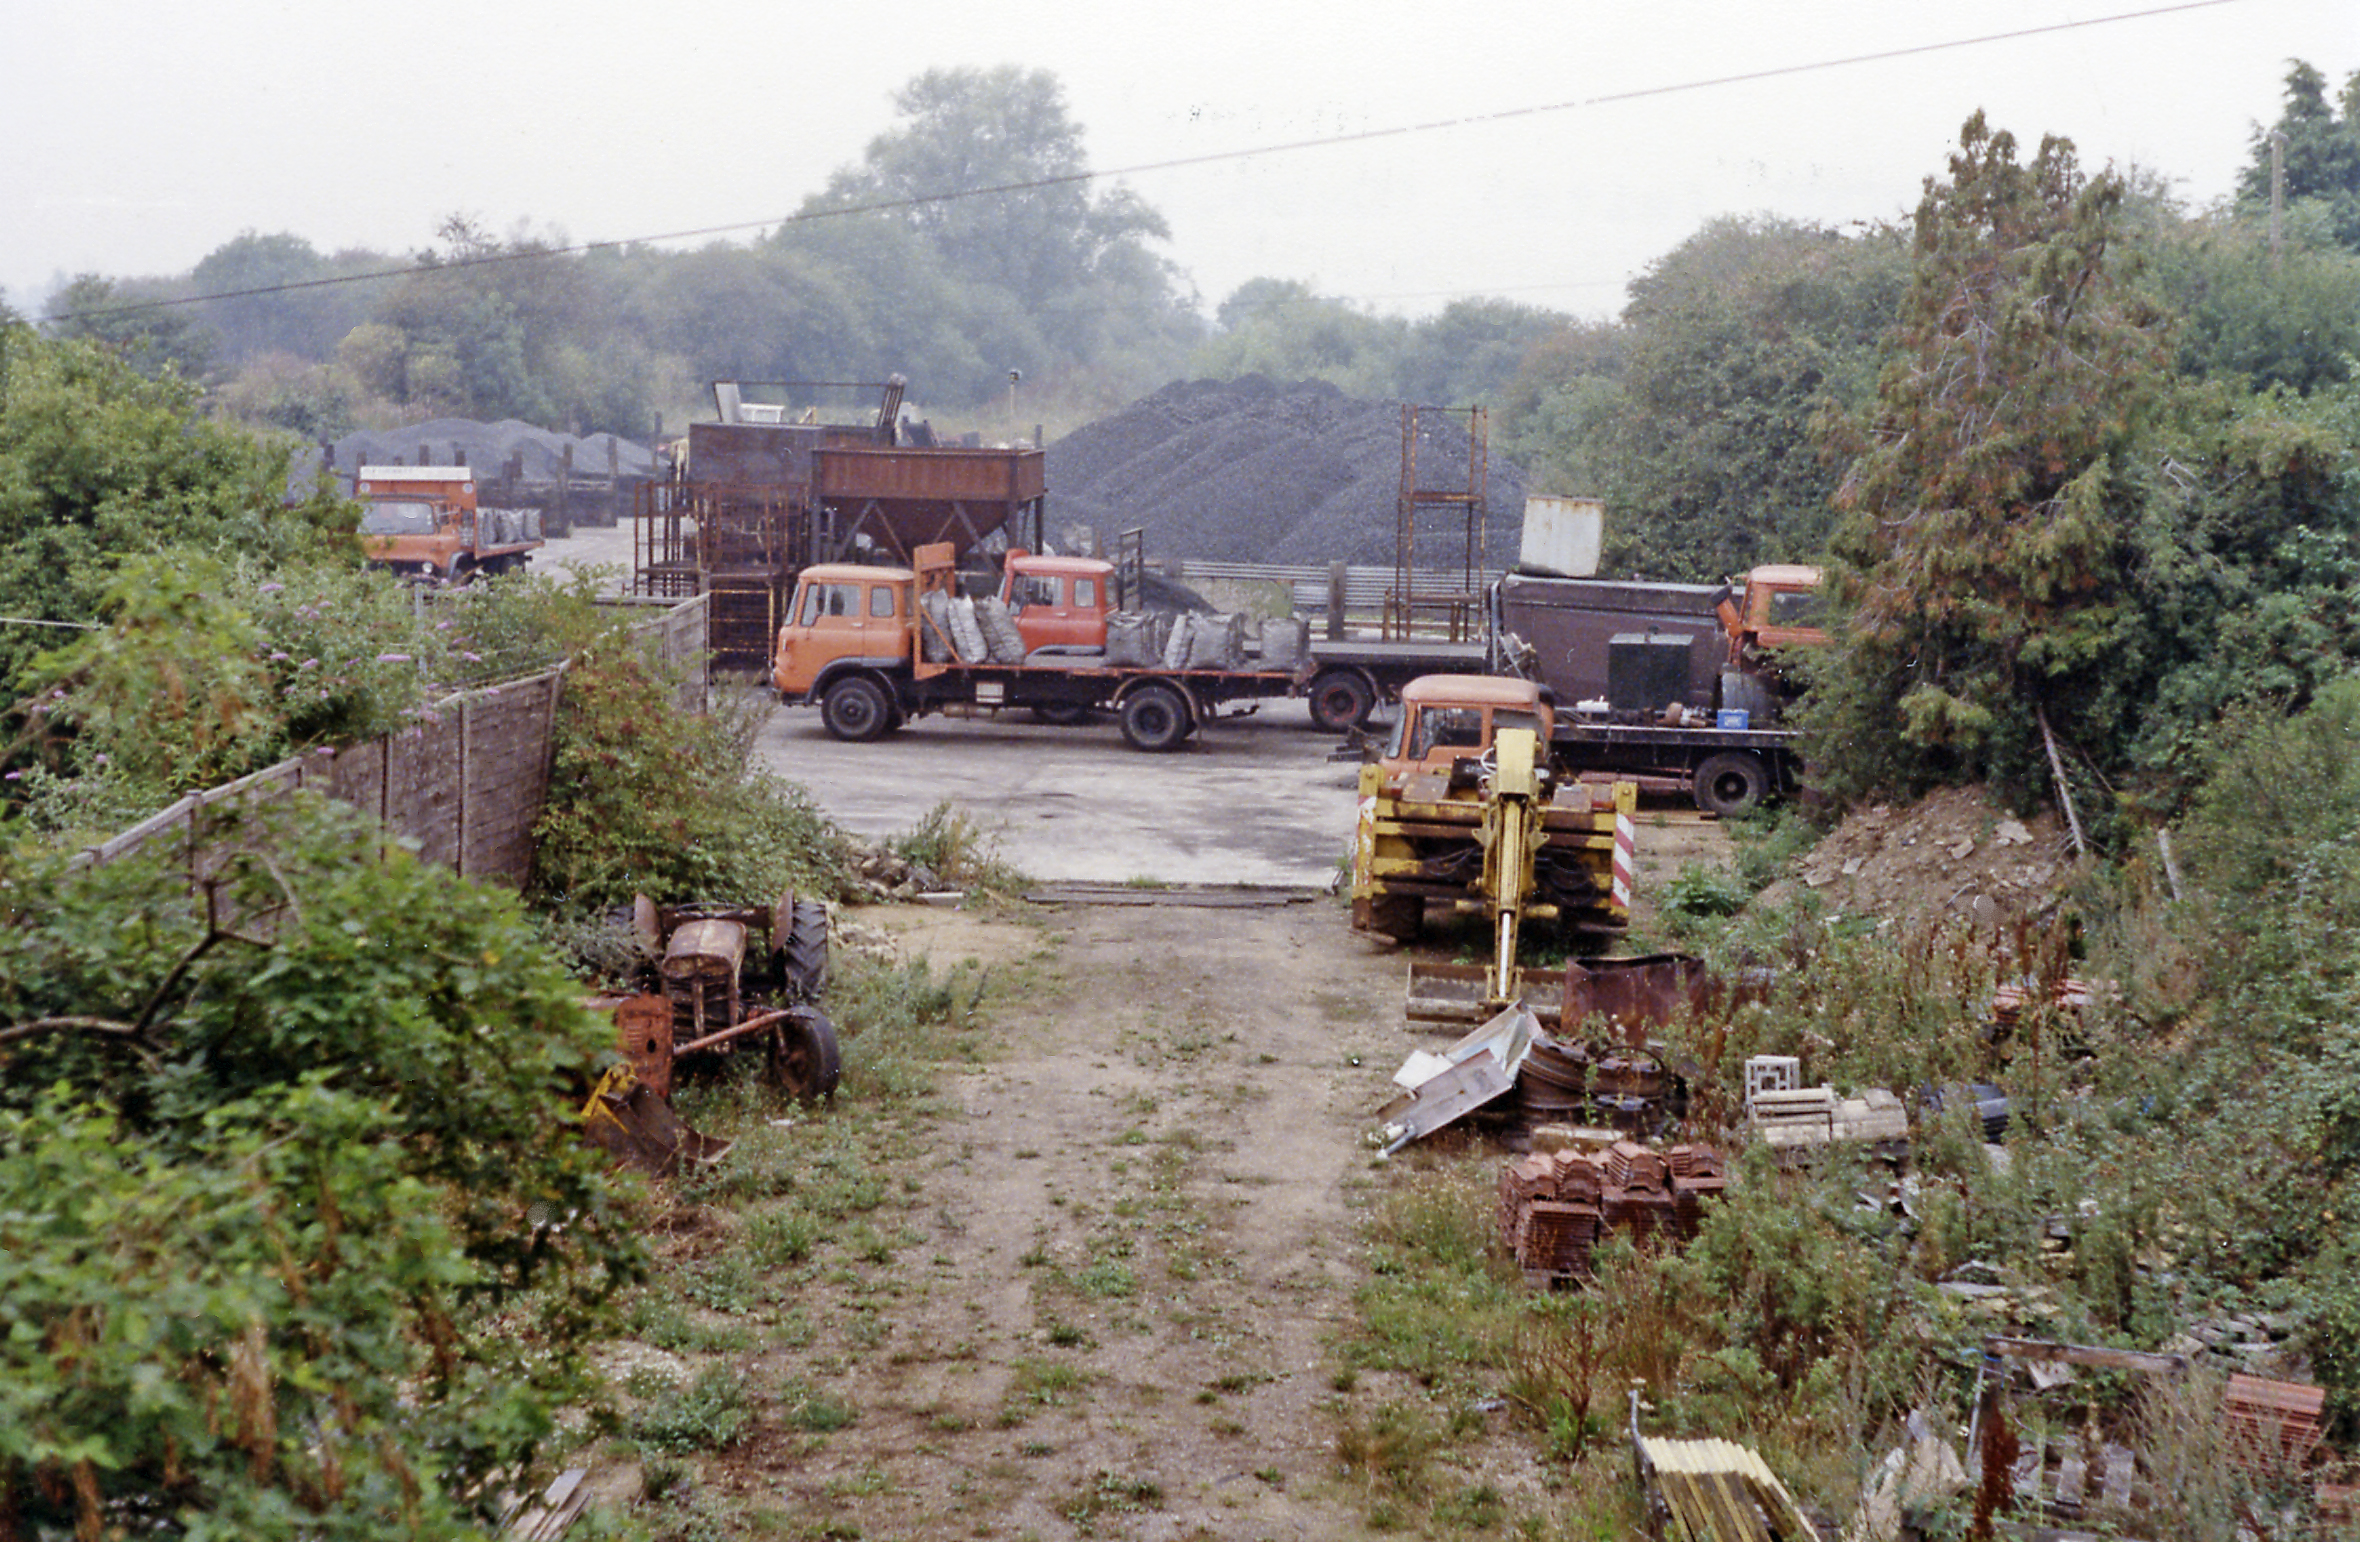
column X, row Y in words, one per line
column 1064, row 714
column 803, row 952
column 804, row 1060
column 1156, row 718
column 856, row 710
column 1341, row 701
column 1398, row 916
column 1731, row 783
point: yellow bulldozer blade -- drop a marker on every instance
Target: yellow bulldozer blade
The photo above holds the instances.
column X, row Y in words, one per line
column 626, row 1118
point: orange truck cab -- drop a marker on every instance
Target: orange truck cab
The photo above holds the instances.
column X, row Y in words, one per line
column 422, row 522
column 1446, row 719
column 1781, row 607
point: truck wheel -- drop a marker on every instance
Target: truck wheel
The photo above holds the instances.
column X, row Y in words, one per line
column 1341, row 701
column 856, row 710
column 1065, row 714
column 1731, row 783
column 1156, row 718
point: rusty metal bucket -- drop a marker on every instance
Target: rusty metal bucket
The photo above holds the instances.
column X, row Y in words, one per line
column 627, row 1119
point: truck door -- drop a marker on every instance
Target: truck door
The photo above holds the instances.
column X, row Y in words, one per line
column 832, row 622
column 1061, row 609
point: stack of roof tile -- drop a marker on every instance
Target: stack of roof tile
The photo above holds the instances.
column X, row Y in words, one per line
column 1555, row 1206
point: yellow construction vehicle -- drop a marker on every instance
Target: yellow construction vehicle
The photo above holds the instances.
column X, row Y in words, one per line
column 1463, row 810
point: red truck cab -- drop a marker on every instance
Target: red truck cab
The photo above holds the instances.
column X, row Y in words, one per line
column 1058, row 601
column 1782, row 608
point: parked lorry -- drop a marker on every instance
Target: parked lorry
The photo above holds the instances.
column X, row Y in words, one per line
column 872, row 647
column 1678, row 685
column 422, row 522
column 1463, row 810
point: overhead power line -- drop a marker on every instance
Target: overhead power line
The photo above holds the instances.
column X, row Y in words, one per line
column 1176, row 163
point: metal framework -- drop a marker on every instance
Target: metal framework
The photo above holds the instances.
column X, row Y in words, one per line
column 1442, row 528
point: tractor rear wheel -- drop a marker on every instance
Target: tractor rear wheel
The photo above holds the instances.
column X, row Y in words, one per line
column 1398, row 916
column 803, row 953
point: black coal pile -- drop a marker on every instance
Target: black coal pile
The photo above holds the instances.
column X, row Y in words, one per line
column 1249, row 470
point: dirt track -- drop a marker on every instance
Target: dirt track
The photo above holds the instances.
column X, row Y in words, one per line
column 1126, row 1249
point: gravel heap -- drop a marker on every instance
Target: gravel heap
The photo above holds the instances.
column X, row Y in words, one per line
column 1249, row 470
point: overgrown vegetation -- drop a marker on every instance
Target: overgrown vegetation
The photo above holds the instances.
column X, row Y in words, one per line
column 330, row 1261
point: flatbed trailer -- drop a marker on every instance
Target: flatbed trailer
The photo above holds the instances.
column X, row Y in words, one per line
column 1729, row 771
column 1157, row 709
column 1351, row 675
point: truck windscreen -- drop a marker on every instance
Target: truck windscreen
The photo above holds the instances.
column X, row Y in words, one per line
column 397, row 516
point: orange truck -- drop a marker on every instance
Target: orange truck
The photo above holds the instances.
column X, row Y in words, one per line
column 422, row 522
column 873, row 647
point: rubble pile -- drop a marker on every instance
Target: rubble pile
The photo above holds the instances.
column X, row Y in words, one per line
column 1953, row 856
column 1250, row 470
column 1554, row 1206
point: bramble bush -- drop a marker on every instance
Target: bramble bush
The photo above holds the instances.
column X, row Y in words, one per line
column 296, row 1235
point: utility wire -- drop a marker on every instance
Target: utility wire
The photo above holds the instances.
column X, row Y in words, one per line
column 1144, row 168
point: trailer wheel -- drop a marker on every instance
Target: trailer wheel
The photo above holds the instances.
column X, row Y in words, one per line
column 804, row 1060
column 1064, row 714
column 1341, row 700
column 1156, row 718
column 1731, row 783
column 856, row 710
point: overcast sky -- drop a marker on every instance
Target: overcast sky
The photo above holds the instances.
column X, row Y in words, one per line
column 141, row 135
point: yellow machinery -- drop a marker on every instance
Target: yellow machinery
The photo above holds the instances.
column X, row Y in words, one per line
column 1466, row 813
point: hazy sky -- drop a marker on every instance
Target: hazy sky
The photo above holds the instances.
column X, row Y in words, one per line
column 141, row 135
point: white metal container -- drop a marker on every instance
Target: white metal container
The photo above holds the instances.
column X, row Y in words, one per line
column 1562, row 536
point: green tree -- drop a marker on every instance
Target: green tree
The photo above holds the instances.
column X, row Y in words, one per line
column 1737, row 337
column 2321, row 152
column 1984, row 496
column 99, row 463
column 282, row 1167
column 1467, row 353
column 988, row 169
column 304, row 322
column 1285, row 329
column 120, row 316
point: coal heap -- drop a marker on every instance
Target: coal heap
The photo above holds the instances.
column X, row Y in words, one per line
column 1249, row 470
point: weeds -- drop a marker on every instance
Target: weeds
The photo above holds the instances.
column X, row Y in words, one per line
column 958, row 851
column 707, row 1414
column 806, row 1408
column 1108, row 1492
